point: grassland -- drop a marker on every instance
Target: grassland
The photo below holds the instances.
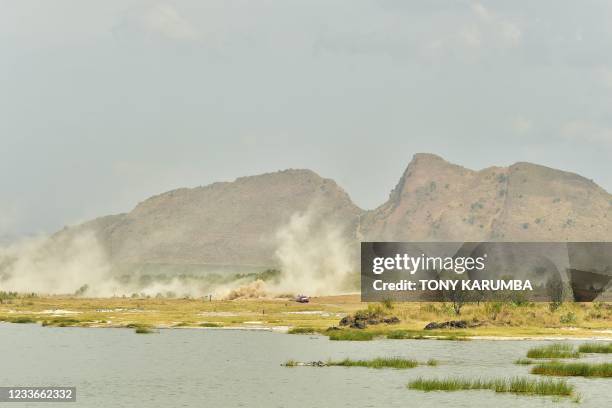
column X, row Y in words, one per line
column 531, row 320
column 524, row 386
column 556, row 368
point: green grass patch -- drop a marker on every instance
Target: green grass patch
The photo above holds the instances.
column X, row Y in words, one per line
column 21, row 319
column 557, row 350
column 561, row 369
column 526, row 386
column 381, row 362
column 595, row 348
column 432, row 362
column 350, row 335
column 61, row 322
column 210, row 325
column 524, row 361
column 301, row 330
column 143, row 330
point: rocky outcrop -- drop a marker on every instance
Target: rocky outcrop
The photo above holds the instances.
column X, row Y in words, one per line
column 439, row 201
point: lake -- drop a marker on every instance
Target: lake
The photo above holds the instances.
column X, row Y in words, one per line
column 233, row 368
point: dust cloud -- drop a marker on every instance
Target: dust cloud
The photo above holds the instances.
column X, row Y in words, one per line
column 314, row 258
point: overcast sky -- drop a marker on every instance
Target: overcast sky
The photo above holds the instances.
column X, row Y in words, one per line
column 105, row 103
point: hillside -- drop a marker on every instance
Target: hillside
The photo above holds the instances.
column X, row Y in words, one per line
column 235, row 223
column 439, row 201
column 229, row 223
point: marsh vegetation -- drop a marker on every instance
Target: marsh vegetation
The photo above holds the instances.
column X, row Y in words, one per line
column 603, row 348
column 561, row 369
column 556, row 350
column 517, row 385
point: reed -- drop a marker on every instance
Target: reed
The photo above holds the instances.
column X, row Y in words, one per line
column 595, row 348
column 381, row 362
column 526, row 386
column 556, row 350
column 561, row 369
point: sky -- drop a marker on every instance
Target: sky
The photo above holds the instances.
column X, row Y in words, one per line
column 103, row 104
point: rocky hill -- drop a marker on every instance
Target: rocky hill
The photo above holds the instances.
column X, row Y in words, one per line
column 230, row 223
column 235, row 223
column 439, row 201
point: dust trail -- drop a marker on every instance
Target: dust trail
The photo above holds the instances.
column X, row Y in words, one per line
column 56, row 266
column 315, row 256
column 76, row 263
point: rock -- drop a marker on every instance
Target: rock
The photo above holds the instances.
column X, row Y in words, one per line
column 359, row 324
column 346, row 321
column 391, row 320
column 452, row 324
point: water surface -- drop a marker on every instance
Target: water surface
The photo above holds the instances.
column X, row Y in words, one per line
column 229, row 368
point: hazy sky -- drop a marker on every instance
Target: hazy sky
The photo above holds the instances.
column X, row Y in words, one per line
column 105, row 103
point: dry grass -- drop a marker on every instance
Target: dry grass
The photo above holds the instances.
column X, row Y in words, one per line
column 504, row 319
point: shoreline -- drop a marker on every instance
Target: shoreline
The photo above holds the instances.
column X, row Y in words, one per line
column 285, row 330
column 484, row 321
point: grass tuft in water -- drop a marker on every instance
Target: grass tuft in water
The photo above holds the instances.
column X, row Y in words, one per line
column 558, row 368
column 301, row 330
column 381, row 362
column 517, row 385
column 524, row 361
column 432, row 362
column 141, row 328
column 350, row 335
column 595, row 348
column 557, row 350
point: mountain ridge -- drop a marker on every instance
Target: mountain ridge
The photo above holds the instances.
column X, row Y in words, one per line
column 236, row 223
